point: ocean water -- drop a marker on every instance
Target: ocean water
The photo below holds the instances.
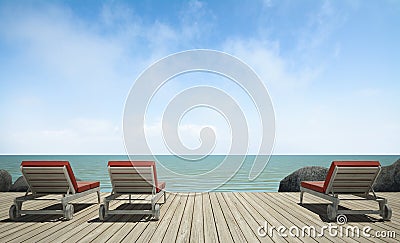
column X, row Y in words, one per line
column 191, row 176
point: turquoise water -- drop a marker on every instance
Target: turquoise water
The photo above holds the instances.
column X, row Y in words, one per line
column 94, row 167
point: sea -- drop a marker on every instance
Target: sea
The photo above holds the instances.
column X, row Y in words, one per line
column 186, row 174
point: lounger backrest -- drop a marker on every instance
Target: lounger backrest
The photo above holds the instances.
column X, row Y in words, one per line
column 355, row 177
column 131, row 177
column 49, row 177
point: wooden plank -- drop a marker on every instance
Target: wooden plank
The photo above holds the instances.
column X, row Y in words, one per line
column 132, row 183
column 172, row 232
column 33, row 231
column 257, row 217
column 236, row 233
column 79, row 227
column 78, row 224
column 47, row 183
column 186, row 221
column 133, row 190
column 43, row 170
column 224, row 234
column 358, row 170
column 91, row 232
column 43, row 176
column 210, row 228
column 131, row 220
column 290, row 197
column 368, row 205
column 125, row 230
column 295, row 214
column 238, row 221
column 131, row 170
column 59, row 228
column 197, row 230
column 246, row 216
column 26, row 221
column 355, row 177
column 208, row 217
column 132, row 177
column 283, row 216
column 269, row 214
column 155, row 232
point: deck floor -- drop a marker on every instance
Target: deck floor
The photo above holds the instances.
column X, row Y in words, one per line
column 201, row 217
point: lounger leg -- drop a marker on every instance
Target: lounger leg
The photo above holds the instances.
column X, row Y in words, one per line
column 301, row 197
column 19, row 207
column 18, row 204
column 98, row 196
column 165, row 197
column 107, row 207
column 382, row 203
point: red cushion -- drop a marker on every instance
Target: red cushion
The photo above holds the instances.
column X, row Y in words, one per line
column 53, row 164
column 86, row 185
column 347, row 164
column 138, row 164
column 160, row 186
column 82, row 186
column 314, row 185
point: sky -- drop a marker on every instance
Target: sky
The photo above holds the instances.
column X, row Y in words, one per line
column 332, row 70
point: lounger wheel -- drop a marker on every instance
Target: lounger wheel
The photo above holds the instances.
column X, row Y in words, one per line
column 156, row 214
column 102, row 212
column 13, row 212
column 387, row 212
column 69, row 212
column 331, row 212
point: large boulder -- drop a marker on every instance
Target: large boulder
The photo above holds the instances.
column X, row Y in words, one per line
column 291, row 183
column 389, row 178
column 5, row 181
column 19, row 185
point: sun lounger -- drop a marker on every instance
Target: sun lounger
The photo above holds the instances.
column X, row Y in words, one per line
column 133, row 177
column 55, row 178
column 348, row 177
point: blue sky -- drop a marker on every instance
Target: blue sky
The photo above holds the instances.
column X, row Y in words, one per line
column 331, row 69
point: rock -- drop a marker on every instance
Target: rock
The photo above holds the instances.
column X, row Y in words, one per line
column 5, row 181
column 19, row 185
column 291, row 183
column 389, row 178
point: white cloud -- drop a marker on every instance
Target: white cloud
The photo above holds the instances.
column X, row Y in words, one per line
column 65, row 67
column 60, row 45
column 77, row 136
column 276, row 71
column 72, row 68
column 310, row 117
column 197, row 21
column 188, row 132
column 318, row 30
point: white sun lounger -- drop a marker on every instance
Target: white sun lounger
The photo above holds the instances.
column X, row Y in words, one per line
column 348, row 177
column 52, row 178
column 133, row 177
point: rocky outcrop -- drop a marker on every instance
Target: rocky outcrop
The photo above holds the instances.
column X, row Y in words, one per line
column 291, row 183
column 387, row 181
column 19, row 185
column 5, row 181
column 389, row 178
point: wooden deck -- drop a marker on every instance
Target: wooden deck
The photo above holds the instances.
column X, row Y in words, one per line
column 195, row 217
